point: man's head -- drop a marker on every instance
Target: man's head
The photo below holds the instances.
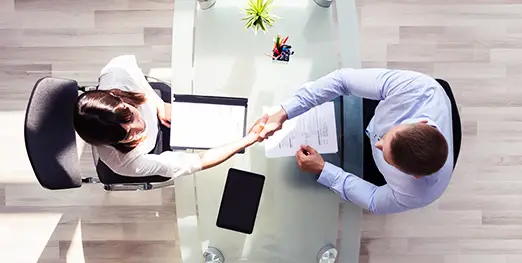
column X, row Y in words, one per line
column 417, row 149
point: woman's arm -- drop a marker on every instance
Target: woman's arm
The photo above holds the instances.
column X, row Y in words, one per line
column 218, row 155
column 174, row 164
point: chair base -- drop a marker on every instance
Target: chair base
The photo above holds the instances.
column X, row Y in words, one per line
column 90, row 180
column 128, row 187
column 136, row 187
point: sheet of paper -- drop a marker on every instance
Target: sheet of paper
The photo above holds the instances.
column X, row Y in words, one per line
column 197, row 125
column 315, row 128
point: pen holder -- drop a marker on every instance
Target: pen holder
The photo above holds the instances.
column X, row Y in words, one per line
column 281, row 51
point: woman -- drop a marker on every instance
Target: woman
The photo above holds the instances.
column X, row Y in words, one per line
column 122, row 121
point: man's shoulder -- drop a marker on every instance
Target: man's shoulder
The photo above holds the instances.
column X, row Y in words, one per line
column 433, row 186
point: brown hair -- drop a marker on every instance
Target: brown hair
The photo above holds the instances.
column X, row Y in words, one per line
column 99, row 114
column 419, row 150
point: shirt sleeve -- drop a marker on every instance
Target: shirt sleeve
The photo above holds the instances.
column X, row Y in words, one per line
column 167, row 164
column 377, row 200
column 127, row 75
column 375, row 84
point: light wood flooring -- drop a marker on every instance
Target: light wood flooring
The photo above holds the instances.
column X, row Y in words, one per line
column 474, row 44
column 74, row 39
column 477, row 46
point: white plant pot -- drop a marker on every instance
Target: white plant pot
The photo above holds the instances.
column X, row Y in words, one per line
column 206, row 4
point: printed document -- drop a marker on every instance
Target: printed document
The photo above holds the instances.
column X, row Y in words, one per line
column 204, row 126
column 315, row 128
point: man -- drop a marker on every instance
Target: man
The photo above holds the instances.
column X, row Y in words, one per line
column 411, row 137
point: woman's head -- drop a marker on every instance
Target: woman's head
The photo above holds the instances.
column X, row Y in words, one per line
column 110, row 117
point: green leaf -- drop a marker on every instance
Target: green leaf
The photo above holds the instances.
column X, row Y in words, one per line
column 250, row 22
column 257, row 15
column 267, row 3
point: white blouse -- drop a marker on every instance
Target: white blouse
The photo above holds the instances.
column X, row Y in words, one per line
column 123, row 73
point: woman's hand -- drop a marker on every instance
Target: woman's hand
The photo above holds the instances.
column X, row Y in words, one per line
column 253, row 134
column 164, row 112
column 218, row 155
column 273, row 123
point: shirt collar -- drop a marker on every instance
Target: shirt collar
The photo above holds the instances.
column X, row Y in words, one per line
column 415, row 120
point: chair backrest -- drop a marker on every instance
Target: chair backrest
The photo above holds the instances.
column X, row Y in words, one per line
column 457, row 125
column 50, row 139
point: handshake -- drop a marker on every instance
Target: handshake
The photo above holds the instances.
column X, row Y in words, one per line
column 266, row 126
column 308, row 159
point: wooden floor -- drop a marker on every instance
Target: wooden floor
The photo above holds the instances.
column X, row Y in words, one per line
column 75, row 39
column 474, row 44
column 477, row 46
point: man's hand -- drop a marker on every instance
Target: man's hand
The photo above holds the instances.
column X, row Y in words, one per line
column 253, row 133
column 309, row 160
column 273, row 124
column 164, row 111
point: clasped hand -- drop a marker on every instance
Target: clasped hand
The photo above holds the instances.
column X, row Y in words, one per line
column 308, row 159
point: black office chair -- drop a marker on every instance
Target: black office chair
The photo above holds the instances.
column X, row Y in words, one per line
column 457, row 126
column 50, row 140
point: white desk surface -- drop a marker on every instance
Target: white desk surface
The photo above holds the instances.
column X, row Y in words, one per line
column 297, row 216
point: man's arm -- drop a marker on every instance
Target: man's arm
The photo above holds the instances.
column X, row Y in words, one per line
column 377, row 200
column 375, row 84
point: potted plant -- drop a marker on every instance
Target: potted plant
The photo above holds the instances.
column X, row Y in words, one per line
column 258, row 15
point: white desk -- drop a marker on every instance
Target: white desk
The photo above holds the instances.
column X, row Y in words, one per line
column 297, row 216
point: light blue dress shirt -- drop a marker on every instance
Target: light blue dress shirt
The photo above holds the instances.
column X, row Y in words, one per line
column 405, row 97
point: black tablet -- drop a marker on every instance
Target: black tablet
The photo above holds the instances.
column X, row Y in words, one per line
column 240, row 201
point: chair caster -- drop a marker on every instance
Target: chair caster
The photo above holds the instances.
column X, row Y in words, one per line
column 108, row 187
column 145, row 187
column 90, row 180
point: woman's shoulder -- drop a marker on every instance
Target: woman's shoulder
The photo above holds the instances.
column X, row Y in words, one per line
column 118, row 74
column 125, row 63
column 111, row 156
